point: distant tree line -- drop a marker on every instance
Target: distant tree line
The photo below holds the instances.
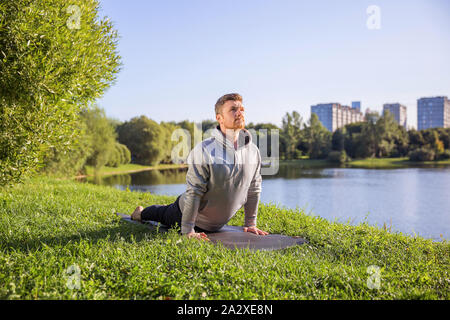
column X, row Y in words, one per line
column 108, row 142
column 96, row 145
column 380, row 136
column 140, row 140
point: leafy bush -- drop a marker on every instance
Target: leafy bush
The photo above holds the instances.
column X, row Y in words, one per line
column 72, row 161
column 115, row 158
column 103, row 138
column 126, row 154
column 338, row 156
column 422, row 154
column 120, row 155
column 56, row 57
column 444, row 155
column 144, row 138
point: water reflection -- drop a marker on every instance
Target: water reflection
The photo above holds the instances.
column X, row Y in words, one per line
column 143, row 178
column 115, row 180
column 154, row 177
column 296, row 172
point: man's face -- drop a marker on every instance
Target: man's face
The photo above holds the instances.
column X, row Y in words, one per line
column 232, row 115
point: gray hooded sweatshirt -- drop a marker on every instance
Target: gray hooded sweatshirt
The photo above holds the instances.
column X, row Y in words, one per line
column 220, row 181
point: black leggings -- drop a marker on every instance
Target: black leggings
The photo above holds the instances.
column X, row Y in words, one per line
column 168, row 215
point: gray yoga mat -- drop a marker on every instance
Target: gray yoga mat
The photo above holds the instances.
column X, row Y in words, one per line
column 233, row 237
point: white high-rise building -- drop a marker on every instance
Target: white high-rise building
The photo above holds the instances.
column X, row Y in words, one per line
column 334, row 115
column 398, row 111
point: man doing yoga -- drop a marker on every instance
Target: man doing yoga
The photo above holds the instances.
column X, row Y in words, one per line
column 224, row 175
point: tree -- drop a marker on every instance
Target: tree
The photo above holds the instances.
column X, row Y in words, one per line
column 126, row 154
column 387, row 133
column 72, row 161
column 416, row 140
column 422, row 154
column 196, row 131
column 318, row 138
column 432, row 141
column 437, row 144
column 166, row 141
column 380, row 138
column 338, row 156
column 102, row 136
column 209, row 124
column 144, row 138
column 352, row 139
column 444, row 136
column 115, row 157
column 265, row 136
column 372, row 116
column 291, row 133
column 119, row 155
column 56, row 58
column 401, row 143
column 338, row 139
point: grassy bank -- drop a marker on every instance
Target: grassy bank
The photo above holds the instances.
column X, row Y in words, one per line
column 394, row 163
column 369, row 163
column 48, row 225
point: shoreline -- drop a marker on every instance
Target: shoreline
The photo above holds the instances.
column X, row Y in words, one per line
column 368, row 163
column 106, row 173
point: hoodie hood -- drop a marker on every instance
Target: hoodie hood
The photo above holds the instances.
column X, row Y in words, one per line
column 243, row 141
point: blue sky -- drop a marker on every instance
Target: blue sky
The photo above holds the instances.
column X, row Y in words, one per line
column 180, row 56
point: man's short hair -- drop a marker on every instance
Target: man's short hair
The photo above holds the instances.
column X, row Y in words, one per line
column 225, row 98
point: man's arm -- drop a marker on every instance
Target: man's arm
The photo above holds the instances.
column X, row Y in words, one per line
column 197, row 179
column 253, row 196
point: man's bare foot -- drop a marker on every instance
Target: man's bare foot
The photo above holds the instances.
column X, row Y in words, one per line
column 136, row 215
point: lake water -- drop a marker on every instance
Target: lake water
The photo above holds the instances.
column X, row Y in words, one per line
column 410, row 200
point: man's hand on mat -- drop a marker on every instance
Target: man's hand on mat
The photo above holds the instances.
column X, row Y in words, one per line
column 201, row 235
column 255, row 230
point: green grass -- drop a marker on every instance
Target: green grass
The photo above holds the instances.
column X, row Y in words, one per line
column 127, row 168
column 48, row 225
column 393, row 163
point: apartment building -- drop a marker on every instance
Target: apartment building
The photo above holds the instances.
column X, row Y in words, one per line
column 334, row 115
column 398, row 111
column 433, row 112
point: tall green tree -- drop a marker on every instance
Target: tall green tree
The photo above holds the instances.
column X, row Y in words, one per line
column 209, row 124
column 291, row 127
column 56, row 57
column 372, row 116
column 264, row 133
column 353, row 134
column 338, row 139
column 119, row 155
column 444, row 136
column 166, row 141
column 144, row 138
column 388, row 132
column 71, row 161
column 317, row 137
column 102, row 137
column 416, row 140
